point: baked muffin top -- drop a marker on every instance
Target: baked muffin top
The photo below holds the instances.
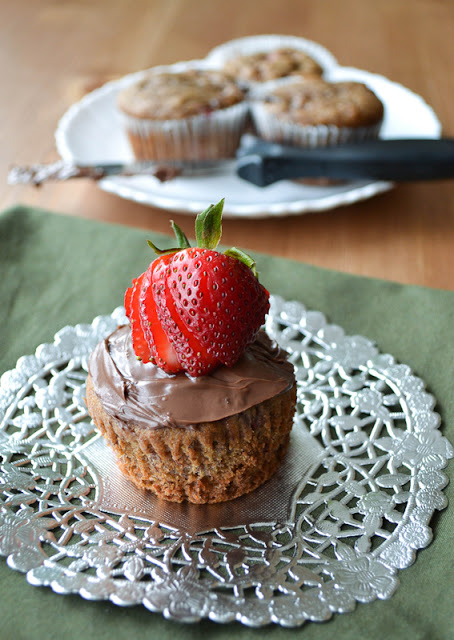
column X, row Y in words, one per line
column 314, row 102
column 172, row 96
column 270, row 65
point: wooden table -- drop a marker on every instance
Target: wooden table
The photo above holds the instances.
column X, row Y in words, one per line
column 53, row 52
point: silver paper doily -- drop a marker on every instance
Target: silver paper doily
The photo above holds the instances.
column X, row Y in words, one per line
column 349, row 507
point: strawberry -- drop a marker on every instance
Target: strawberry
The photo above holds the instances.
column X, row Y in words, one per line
column 162, row 351
column 140, row 344
column 149, row 340
column 196, row 308
column 219, row 299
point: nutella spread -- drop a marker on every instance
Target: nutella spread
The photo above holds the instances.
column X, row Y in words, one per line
column 149, row 397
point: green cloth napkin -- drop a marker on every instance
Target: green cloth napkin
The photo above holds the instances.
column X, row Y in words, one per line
column 55, row 270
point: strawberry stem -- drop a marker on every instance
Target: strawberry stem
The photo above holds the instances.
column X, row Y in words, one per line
column 208, row 231
column 208, row 227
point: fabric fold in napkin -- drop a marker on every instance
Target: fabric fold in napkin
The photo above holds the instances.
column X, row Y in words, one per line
column 57, row 271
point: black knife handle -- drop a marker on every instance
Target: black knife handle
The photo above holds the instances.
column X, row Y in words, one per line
column 395, row 159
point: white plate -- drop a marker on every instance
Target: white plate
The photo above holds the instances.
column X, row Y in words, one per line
column 90, row 132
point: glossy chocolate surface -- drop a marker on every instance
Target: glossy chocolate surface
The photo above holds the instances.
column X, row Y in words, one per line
column 132, row 391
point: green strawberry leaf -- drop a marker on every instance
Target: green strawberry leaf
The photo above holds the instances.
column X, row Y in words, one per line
column 162, row 252
column 243, row 257
column 183, row 242
column 208, row 227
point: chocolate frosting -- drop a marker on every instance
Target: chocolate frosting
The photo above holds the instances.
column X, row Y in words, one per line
column 144, row 394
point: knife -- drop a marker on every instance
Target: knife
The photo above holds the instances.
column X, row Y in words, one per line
column 37, row 174
column 263, row 163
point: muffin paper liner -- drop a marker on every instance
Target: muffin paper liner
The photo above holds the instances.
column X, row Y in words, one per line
column 270, row 127
column 202, row 137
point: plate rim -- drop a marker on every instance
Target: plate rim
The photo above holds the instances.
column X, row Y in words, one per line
column 124, row 188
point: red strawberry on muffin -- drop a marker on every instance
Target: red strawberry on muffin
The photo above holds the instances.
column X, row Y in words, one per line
column 195, row 308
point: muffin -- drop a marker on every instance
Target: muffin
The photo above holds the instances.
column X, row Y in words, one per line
column 190, row 114
column 313, row 112
column 192, row 396
column 269, row 56
column 264, row 66
column 204, row 440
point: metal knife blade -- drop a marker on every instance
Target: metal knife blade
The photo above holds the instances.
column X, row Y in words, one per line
column 263, row 163
column 37, row 174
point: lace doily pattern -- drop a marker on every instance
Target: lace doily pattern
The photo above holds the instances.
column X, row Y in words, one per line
column 356, row 518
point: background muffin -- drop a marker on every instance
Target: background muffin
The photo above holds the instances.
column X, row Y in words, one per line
column 256, row 59
column 183, row 113
column 315, row 112
column 270, row 65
